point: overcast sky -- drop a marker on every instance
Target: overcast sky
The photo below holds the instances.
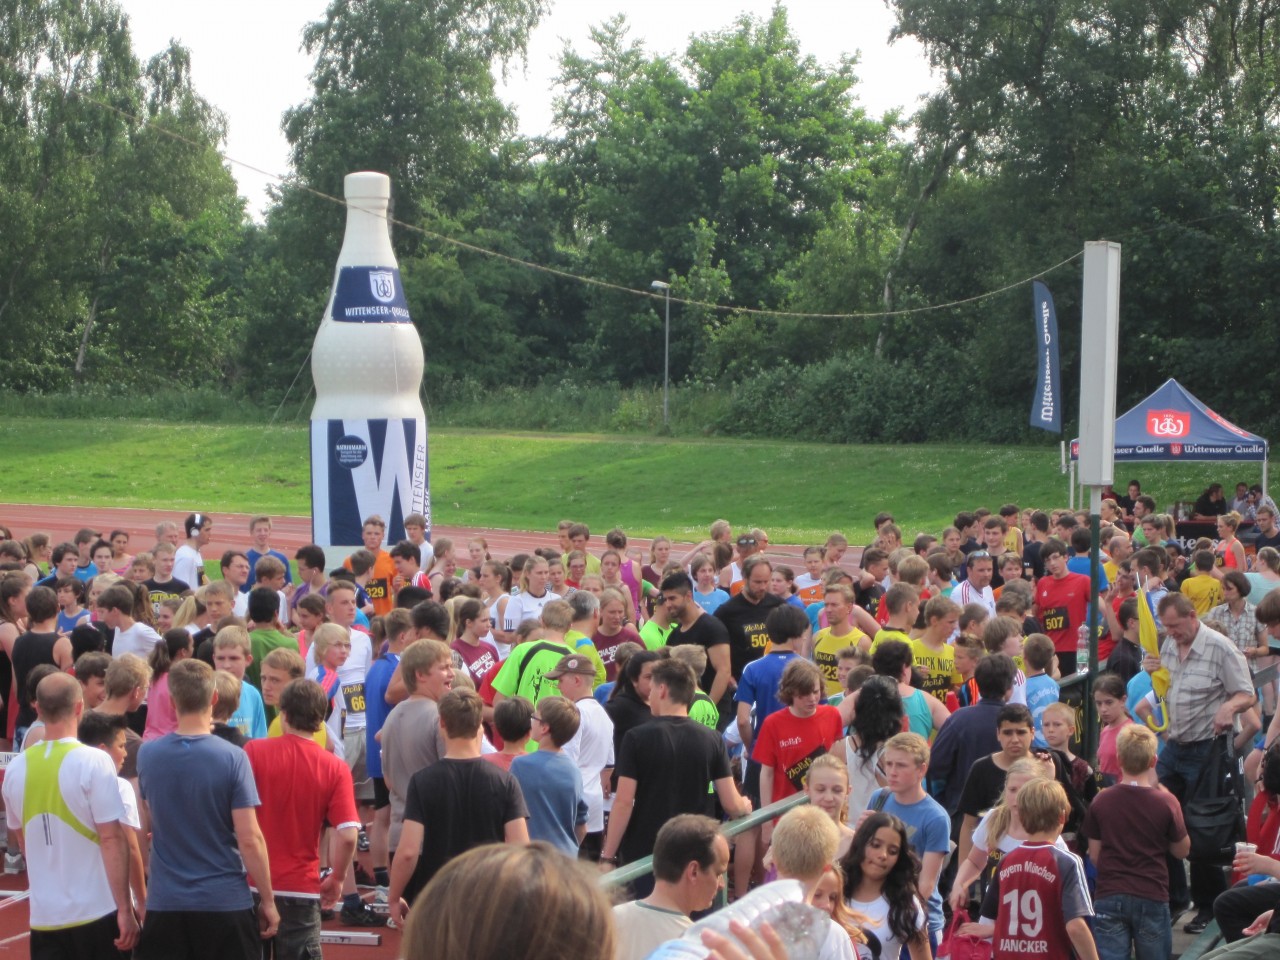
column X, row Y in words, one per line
column 246, row 57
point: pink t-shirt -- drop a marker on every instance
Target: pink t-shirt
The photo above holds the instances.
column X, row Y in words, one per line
column 162, row 718
column 1108, row 761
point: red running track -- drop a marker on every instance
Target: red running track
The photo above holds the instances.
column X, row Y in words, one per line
column 231, row 530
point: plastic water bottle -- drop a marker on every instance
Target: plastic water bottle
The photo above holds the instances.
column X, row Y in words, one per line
column 368, row 428
column 1082, row 649
column 802, row 928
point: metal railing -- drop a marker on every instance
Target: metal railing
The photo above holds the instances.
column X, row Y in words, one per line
column 729, row 830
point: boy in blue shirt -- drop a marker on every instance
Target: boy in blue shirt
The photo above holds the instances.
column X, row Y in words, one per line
column 1042, row 689
column 550, row 781
column 905, row 763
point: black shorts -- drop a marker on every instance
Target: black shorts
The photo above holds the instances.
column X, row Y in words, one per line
column 381, row 795
column 96, row 939
column 751, row 784
column 199, row 935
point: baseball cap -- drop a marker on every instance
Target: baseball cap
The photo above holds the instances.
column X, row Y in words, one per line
column 572, row 663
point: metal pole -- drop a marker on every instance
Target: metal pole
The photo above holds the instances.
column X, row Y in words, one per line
column 666, row 361
column 1095, row 618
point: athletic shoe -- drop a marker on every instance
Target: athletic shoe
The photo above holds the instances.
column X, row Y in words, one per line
column 327, row 915
column 364, row 878
column 13, row 863
column 380, row 894
column 1199, row 923
column 362, row 916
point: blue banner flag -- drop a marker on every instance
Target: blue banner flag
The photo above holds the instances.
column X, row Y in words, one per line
column 1046, row 405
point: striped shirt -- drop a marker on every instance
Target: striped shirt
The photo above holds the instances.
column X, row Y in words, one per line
column 1213, row 671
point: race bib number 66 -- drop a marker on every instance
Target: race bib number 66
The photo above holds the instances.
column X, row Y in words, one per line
column 353, row 693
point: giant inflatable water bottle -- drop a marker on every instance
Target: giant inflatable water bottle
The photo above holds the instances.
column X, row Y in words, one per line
column 368, row 429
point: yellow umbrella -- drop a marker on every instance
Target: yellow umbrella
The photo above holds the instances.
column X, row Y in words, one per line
column 1149, row 639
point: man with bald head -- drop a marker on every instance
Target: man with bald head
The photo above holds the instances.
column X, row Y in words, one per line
column 62, row 799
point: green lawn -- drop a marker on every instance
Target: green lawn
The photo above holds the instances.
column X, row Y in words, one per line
column 798, row 492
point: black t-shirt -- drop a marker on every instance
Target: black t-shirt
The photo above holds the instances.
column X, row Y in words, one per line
column 229, row 733
column 1264, row 541
column 1125, row 503
column 982, row 787
column 29, row 651
column 706, row 632
column 673, row 761
column 1125, row 659
column 202, row 641
column 1031, row 559
column 1205, row 507
column 627, row 711
column 159, row 592
column 461, row 804
column 745, row 622
column 868, row 598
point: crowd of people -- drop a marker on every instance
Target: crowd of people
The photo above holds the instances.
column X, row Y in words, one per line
column 432, row 737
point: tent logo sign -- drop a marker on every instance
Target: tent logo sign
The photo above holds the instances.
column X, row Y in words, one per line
column 1168, row 423
column 1175, row 449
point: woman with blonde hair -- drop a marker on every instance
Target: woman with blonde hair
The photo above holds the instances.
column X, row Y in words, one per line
column 827, row 785
column 1230, row 551
column 507, row 902
column 1265, row 575
column 829, row 896
column 999, row 831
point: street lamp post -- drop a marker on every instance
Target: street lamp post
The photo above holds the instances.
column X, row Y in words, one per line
column 666, row 348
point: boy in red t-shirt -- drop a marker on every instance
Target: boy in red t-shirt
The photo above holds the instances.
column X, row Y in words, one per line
column 301, row 788
column 1038, row 898
column 789, row 740
column 1062, row 603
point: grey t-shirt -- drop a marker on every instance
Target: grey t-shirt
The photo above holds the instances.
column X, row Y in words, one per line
column 411, row 741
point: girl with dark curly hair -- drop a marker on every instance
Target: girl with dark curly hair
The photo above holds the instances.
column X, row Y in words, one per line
column 880, row 882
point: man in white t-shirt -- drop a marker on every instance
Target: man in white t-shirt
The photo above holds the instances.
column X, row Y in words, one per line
column 591, row 748
column 977, row 588
column 188, row 565
column 235, row 573
column 115, row 608
column 63, row 800
column 690, row 857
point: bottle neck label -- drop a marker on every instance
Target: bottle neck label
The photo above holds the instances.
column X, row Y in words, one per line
column 370, row 295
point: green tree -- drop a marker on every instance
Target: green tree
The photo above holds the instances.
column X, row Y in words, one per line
column 743, row 142
column 113, row 228
column 406, row 89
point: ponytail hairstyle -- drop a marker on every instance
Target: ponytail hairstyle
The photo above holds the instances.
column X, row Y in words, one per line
column 653, row 548
column 165, row 653
column 12, row 586
column 464, row 613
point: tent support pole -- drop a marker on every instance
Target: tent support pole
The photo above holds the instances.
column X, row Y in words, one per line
column 1266, row 463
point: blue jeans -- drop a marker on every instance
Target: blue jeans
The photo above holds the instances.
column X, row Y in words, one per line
column 1125, row 926
column 299, row 935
